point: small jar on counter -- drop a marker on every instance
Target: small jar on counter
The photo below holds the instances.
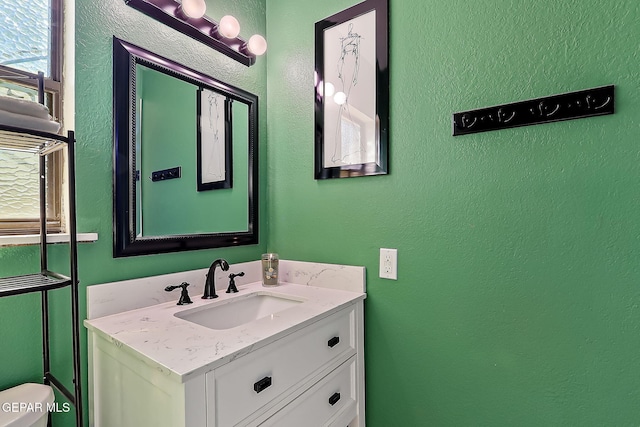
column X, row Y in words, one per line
column 270, row 269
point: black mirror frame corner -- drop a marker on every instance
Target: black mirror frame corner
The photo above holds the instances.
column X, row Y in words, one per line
column 125, row 241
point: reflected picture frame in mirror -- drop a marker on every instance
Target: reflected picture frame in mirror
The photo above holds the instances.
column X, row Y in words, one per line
column 128, row 241
column 215, row 140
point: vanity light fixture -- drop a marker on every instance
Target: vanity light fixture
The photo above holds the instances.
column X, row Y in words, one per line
column 188, row 17
column 229, row 27
column 257, row 45
column 193, row 8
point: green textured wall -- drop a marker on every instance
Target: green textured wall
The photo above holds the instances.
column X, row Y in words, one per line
column 96, row 24
column 517, row 299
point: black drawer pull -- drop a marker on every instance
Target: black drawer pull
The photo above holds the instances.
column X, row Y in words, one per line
column 334, row 399
column 262, row 384
column 333, row 341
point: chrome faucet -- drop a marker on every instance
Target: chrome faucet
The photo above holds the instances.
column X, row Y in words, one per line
column 210, row 282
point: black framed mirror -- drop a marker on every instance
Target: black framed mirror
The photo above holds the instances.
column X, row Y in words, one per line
column 158, row 112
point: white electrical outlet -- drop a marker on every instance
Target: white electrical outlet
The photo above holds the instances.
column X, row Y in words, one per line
column 389, row 263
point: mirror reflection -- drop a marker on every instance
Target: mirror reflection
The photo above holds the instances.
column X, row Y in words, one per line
column 166, row 138
column 185, row 144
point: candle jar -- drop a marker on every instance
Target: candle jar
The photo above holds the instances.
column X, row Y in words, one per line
column 270, row 269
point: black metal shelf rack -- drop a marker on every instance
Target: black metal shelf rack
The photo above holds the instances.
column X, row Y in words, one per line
column 42, row 144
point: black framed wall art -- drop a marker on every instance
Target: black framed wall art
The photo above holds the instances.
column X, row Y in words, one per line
column 352, row 92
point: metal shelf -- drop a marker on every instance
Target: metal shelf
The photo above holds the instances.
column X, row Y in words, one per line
column 17, row 285
column 43, row 143
column 32, row 141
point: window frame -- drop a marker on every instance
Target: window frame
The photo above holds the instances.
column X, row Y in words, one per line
column 55, row 161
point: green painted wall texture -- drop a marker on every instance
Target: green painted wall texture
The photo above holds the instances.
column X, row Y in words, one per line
column 517, row 299
column 516, row 302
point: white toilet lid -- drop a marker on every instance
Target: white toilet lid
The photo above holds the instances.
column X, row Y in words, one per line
column 35, row 396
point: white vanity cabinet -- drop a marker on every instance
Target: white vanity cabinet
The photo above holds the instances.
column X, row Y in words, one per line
column 332, row 401
column 248, row 390
column 127, row 391
column 312, row 376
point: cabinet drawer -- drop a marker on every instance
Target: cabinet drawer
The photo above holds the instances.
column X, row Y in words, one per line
column 271, row 374
column 331, row 399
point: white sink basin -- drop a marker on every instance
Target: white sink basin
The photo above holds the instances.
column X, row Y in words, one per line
column 238, row 311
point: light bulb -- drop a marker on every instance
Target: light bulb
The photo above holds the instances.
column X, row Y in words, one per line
column 257, row 45
column 340, row 98
column 329, row 89
column 194, row 8
column 229, row 27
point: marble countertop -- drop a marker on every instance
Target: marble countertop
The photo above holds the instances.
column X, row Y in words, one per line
column 185, row 350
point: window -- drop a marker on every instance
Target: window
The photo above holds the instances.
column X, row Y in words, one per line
column 30, row 41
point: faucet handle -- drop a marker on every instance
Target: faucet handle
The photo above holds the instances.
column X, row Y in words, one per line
column 184, row 295
column 232, row 282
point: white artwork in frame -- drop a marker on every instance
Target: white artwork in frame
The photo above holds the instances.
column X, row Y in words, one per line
column 214, row 141
column 349, row 70
column 352, row 92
